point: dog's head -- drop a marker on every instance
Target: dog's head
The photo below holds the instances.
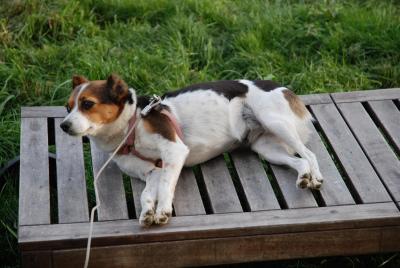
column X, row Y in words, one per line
column 93, row 104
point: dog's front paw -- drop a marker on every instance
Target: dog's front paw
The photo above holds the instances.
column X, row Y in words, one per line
column 303, row 181
column 162, row 216
column 147, row 217
column 315, row 184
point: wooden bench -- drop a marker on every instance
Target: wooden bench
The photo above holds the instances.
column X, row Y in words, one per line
column 234, row 208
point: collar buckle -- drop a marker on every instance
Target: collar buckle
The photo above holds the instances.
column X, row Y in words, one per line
column 154, row 101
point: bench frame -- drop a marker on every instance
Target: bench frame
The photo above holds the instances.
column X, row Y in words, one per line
column 353, row 219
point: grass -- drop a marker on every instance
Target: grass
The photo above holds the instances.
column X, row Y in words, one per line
column 157, row 45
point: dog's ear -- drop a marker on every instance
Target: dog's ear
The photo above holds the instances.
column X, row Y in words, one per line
column 77, row 80
column 118, row 89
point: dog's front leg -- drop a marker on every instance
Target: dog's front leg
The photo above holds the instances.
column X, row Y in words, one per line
column 173, row 156
column 149, row 196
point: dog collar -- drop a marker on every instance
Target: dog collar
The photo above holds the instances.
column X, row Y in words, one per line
column 129, row 146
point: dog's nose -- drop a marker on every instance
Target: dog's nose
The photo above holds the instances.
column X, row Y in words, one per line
column 65, row 126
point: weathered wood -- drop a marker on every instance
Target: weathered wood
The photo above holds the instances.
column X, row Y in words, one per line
column 255, row 183
column 71, row 182
column 367, row 95
column 60, row 236
column 220, row 187
column 316, row 98
column 388, row 117
column 137, row 189
column 356, row 165
column 110, row 187
column 334, row 190
column 187, row 199
column 237, row 249
column 378, row 151
column 34, row 187
column 36, row 259
column 43, row 111
column 294, row 197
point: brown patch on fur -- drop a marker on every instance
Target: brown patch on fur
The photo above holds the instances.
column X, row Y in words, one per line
column 78, row 80
column 156, row 122
column 72, row 97
column 104, row 110
column 108, row 95
column 295, row 103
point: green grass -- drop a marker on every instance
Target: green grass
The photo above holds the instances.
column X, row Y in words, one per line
column 158, row 45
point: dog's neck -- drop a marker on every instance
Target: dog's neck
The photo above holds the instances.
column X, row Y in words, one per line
column 112, row 134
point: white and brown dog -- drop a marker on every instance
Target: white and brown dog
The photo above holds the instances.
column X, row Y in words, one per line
column 188, row 127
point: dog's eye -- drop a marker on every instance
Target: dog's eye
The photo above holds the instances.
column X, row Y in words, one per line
column 87, row 104
column 68, row 108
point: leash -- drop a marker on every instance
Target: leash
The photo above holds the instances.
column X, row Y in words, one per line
column 96, row 192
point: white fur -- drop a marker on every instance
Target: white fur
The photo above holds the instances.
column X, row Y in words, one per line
column 211, row 125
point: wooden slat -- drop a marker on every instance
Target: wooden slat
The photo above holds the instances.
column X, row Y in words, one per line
column 118, row 232
column 110, row 187
column 34, row 187
column 333, row 190
column 389, row 118
column 59, row 111
column 43, row 111
column 220, row 188
column 294, row 197
column 237, row 249
column 137, row 189
column 352, row 158
column 255, row 183
column 187, row 199
column 367, row 95
column 71, row 182
column 378, row 151
column 316, row 98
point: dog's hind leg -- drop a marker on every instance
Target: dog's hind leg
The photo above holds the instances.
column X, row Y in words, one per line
column 285, row 131
column 272, row 150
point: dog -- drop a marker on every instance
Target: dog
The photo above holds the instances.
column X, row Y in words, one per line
column 190, row 126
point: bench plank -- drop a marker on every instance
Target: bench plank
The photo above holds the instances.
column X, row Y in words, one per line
column 367, row 95
column 34, row 186
column 294, row 197
column 334, row 190
column 389, row 117
column 214, row 225
column 110, row 187
column 137, row 189
column 352, row 158
column 255, row 183
column 238, row 249
column 219, row 186
column 187, row 199
column 71, row 182
column 380, row 154
column 316, row 98
column 43, row 111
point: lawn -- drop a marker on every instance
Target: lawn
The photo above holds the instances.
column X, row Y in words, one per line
column 160, row 45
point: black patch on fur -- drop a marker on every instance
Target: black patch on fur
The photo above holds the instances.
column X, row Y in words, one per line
column 228, row 88
column 266, row 85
